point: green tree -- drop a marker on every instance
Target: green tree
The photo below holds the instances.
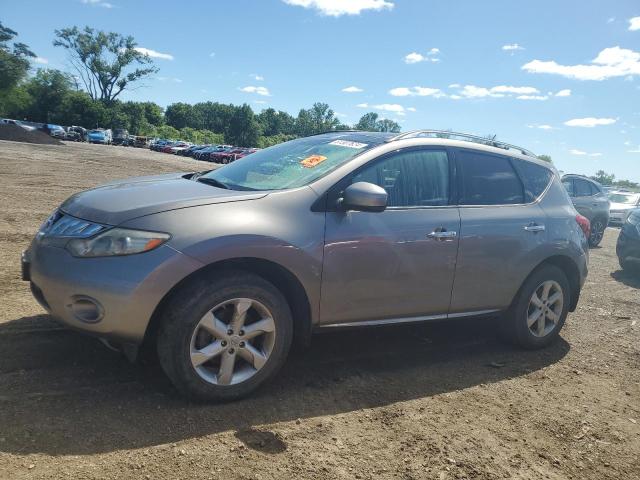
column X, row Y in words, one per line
column 105, row 61
column 78, row 108
column 14, row 59
column 47, row 88
column 604, row 178
column 274, row 122
column 545, row 158
column 180, row 115
column 243, row 129
column 369, row 122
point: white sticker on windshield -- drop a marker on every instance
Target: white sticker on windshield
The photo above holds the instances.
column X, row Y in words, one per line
column 348, row 144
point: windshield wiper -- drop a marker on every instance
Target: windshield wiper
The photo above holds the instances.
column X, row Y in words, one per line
column 213, row 182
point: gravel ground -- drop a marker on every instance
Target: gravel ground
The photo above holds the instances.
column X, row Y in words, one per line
column 441, row 401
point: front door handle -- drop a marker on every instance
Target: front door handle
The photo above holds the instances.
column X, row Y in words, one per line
column 442, row 235
column 534, row 227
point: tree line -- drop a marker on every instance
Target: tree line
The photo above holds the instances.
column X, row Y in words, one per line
column 104, row 64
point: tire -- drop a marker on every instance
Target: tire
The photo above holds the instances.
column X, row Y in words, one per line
column 182, row 337
column 627, row 266
column 597, row 231
column 515, row 325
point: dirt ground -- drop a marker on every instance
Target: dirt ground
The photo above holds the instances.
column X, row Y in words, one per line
column 441, row 401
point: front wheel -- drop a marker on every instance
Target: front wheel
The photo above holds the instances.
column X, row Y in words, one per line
column 597, row 232
column 222, row 339
column 539, row 310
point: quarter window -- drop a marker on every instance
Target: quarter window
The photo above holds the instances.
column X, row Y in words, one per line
column 534, row 177
column 488, row 180
column 414, row 178
column 583, row 188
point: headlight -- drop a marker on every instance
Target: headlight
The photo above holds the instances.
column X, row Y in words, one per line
column 117, row 241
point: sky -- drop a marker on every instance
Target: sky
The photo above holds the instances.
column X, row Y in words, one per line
column 558, row 77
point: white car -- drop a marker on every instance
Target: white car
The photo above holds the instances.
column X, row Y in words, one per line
column 622, row 203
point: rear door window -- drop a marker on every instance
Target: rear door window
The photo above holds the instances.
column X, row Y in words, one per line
column 568, row 185
column 487, row 179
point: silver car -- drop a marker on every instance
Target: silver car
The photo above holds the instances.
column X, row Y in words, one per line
column 622, row 204
column 222, row 271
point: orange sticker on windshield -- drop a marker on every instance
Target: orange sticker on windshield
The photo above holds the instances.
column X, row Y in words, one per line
column 313, row 161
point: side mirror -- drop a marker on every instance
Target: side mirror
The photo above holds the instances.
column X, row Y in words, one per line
column 363, row 197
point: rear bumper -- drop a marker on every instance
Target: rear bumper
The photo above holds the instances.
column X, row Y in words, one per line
column 110, row 297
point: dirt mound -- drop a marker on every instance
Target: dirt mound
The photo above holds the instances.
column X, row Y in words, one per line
column 16, row 133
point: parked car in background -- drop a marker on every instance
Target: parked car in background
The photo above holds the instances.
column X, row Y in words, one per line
column 221, row 270
column 591, row 201
column 140, row 142
column 628, row 246
column 99, row 135
column 56, row 131
column 76, row 134
column 120, row 136
column 622, row 204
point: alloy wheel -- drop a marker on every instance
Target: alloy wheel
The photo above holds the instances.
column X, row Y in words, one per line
column 597, row 232
column 545, row 308
column 232, row 341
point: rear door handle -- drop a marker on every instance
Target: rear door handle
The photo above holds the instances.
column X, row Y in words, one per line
column 443, row 235
column 534, row 227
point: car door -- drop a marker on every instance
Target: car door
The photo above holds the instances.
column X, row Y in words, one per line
column 583, row 198
column 398, row 264
column 502, row 226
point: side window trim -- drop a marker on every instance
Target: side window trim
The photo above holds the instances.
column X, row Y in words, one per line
column 459, row 182
column 332, row 194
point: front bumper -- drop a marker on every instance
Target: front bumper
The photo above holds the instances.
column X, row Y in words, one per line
column 628, row 248
column 124, row 290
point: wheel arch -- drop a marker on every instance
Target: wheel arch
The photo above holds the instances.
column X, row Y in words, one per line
column 282, row 278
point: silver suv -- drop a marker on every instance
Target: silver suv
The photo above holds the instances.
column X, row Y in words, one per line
column 222, row 271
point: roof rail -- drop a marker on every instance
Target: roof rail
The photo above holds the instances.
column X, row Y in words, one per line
column 465, row 137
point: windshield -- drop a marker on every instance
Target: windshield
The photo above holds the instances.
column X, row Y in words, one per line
column 288, row 165
column 626, row 198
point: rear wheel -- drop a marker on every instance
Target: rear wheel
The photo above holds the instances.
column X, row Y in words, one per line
column 597, row 232
column 225, row 339
column 540, row 309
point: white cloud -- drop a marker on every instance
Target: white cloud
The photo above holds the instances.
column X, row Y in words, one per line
column 416, row 92
column 532, row 97
column 411, row 109
column 352, row 89
column 98, row 3
column 385, row 107
column 212, row 54
column 169, row 79
column 564, row 93
column 637, row 150
column 153, row 53
column 415, row 57
column 634, row 24
column 541, row 127
column 260, row 102
column 264, row 91
column 589, row 122
column 611, row 19
column 575, row 151
column 610, row 62
column 499, row 91
column 337, row 8
column 256, row 77
column 512, row 47
column 40, row 60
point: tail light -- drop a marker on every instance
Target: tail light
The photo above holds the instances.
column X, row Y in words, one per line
column 585, row 225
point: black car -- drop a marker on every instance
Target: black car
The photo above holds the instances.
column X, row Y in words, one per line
column 76, row 134
column 628, row 246
column 120, row 136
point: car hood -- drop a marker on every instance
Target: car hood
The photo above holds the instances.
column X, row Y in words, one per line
column 123, row 200
column 621, row 206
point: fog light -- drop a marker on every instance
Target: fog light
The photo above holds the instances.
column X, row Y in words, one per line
column 86, row 309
